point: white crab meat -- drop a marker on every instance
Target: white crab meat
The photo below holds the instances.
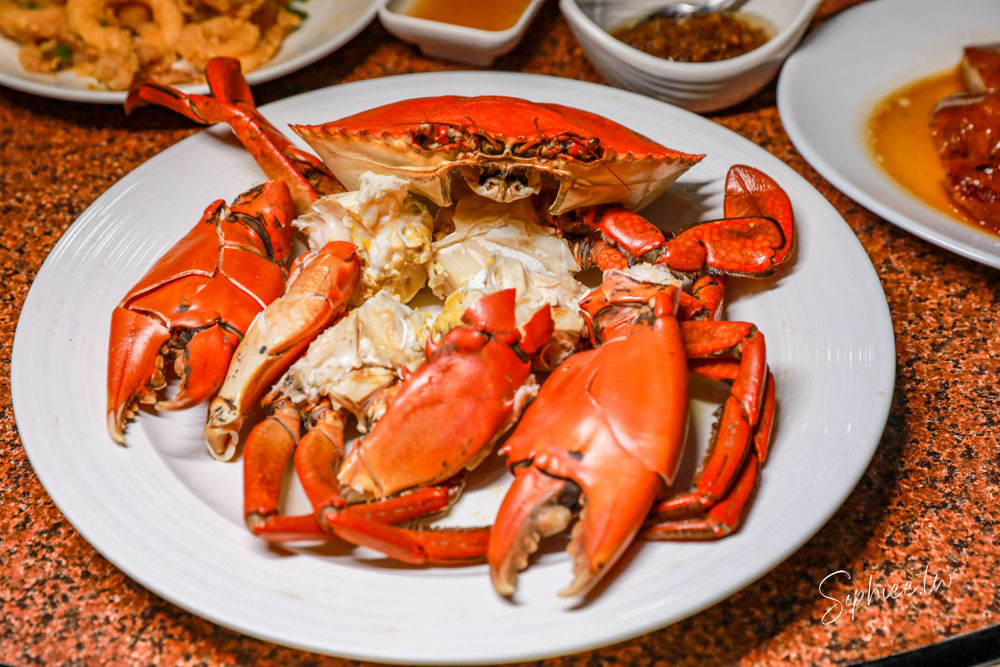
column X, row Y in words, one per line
column 497, row 246
column 391, row 229
column 359, row 356
column 651, row 273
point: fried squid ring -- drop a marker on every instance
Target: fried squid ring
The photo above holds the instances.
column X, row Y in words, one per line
column 219, row 36
column 30, row 25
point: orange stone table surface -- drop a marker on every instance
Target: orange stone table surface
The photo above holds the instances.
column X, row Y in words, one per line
column 927, row 501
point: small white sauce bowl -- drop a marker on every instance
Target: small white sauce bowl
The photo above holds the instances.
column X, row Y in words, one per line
column 700, row 87
column 454, row 42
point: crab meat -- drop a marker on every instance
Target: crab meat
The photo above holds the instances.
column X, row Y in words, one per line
column 354, row 360
column 391, row 229
column 498, row 246
column 652, row 273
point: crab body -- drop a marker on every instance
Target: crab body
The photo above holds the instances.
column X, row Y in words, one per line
column 504, row 148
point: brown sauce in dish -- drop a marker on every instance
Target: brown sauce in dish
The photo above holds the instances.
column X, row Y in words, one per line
column 491, row 15
column 695, row 39
column 900, row 140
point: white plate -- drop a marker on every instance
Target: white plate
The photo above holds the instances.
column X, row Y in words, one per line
column 169, row 516
column 330, row 25
column 831, row 84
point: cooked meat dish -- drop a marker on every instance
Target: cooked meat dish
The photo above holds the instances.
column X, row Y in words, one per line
column 965, row 128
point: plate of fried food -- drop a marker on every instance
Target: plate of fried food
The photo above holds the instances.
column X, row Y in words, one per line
column 900, row 138
column 95, row 50
column 497, row 193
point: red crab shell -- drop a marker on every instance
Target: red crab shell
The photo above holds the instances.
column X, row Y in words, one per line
column 505, row 148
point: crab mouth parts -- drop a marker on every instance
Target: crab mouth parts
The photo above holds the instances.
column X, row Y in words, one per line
column 503, row 182
column 469, row 139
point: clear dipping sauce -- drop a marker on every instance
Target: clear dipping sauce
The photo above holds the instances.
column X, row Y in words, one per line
column 900, row 139
column 481, row 14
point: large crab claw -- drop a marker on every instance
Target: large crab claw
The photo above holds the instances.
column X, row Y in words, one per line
column 591, row 432
column 318, row 290
column 592, row 438
column 449, row 411
column 198, row 300
column 232, row 103
column 755, row 236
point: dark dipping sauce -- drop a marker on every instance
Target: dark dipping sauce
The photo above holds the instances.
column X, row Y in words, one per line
column 694, row 39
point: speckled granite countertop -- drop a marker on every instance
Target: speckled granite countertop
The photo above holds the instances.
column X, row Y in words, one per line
column 927, row 503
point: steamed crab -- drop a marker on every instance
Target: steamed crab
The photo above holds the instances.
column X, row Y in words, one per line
column 590, row 174
column 355, row 365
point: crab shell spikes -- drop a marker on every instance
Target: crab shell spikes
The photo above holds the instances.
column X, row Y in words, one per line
column 505, row 148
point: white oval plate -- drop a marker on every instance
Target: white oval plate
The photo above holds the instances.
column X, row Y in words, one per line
column 831, row 84
column 330, row 25
column 170, row 516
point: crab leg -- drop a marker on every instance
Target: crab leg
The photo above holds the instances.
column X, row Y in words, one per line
column 591, row 252
column 232, row 103
column 321, row 283
column 271, row 444
column 726, row 515
column 316, row 462
column 704, row 301
column 719, row 520
column 265, row 456
column 739, row 415
column 757, row 234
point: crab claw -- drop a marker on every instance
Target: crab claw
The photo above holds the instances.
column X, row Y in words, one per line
column 449, row 411
column 590, row 439
column 196, row 302
column 750, row 193
column 756, row 234
column 134, row 366
column 321, row 283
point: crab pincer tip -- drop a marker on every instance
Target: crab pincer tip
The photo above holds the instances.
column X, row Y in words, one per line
column 115, row 429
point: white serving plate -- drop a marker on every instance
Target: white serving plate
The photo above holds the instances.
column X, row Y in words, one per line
column 170, row 516
column 832, row 83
